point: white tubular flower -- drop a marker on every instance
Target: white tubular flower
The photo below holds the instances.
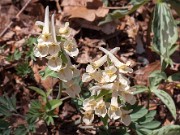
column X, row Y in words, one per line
column 86, row 77
column 123, row 80
column 120, row 87
column 128, row 97
column 125, row 117
column 45, row 32
column 70, row 46
column 72, row 89
column 65, row 31
column 88, row 117
column 95, row 90
column 98, row 76
column 54, row 48
column 114, row 111
column 98, row 63
column 123, row 68
column 54, row 63
column 65, row 74
column 89, row 104
column 110, row 74
column 100, row 108
column 41, row 50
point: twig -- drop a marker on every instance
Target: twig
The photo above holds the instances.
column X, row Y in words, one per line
column 9, row 25
column 65, row 98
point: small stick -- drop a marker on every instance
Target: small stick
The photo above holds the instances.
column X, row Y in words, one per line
column 9, row 25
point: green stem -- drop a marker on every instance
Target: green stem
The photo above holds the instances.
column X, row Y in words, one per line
column 60, row 90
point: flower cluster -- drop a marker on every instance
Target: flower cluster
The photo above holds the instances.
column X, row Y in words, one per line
column 108, row 73
column 57, row 46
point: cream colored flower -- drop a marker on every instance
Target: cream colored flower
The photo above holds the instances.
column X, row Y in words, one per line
column 89, row 104
column 54, row 63
column 95, row 90
column 125, row 117
column 100, row 108
column 54, row 47
column 114, row 111
column 70, row 46
column 123, row 80
column 123, row 68
column 86, row 77
column 98, row 63
column 65, row 74
column 98, row 76
column 45, row 36
column 110, row 74
column 41, row 50
column 88, row 117
column 72, row 89
column 65, row 31
column 120, row 87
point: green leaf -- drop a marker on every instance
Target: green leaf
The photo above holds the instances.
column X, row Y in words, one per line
column 167, row 100
column 173, row 49
column 17, row 54
column 31, row 41
column 151, row 125
column 156, row 77
column 48, row 72
column 140, row 89
column 49, row 120
column 138, row 112
column 105, row 121
column 52, row 104
column 147, row 118
column 165, row 31
column 167, row 130
column 39, row 91
column 174, row 77
column 21, row 130
column 4, row 124
column 36, row 110
column 143, row 131
column 23, row 69
column 118, row 14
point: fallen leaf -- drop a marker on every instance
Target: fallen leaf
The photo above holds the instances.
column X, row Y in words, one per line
column 142, row 74
column 48, row 83
column 85, row 9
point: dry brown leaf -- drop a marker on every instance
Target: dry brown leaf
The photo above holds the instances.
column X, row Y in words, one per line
column 84, row 13
column 85, row 9
column 142, row 74
column 48, row 83
column 74, row 2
